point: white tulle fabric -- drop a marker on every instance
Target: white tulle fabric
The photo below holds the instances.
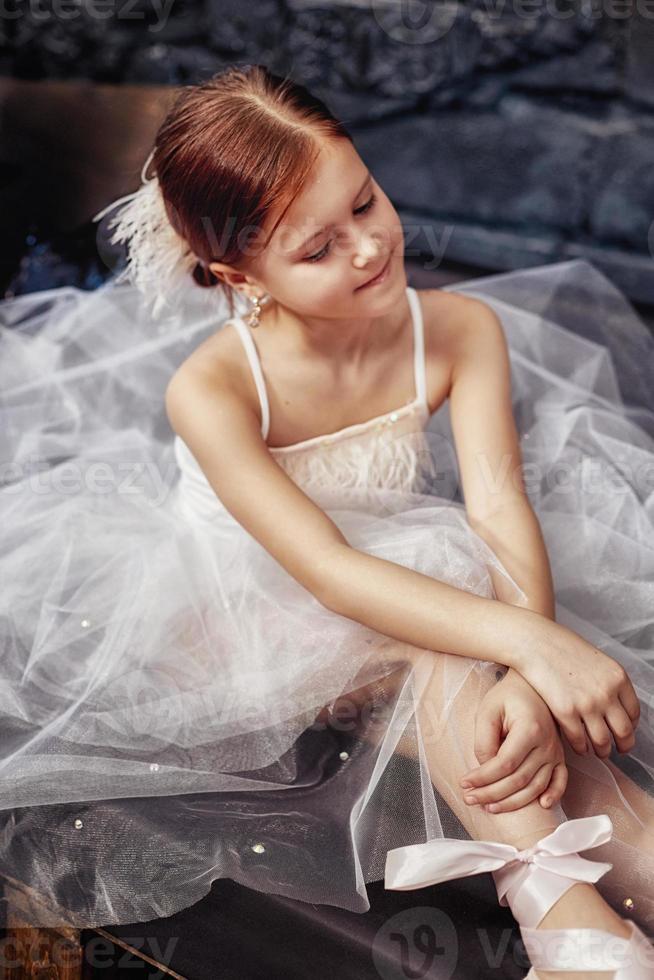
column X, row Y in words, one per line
column 176, row 708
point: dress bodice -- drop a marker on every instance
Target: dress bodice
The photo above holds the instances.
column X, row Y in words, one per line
column 347, row 465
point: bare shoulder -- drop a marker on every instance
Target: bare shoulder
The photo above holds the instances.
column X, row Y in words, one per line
column 451, row 322
column 215, row 366
column 456, row 324
column 448, row 315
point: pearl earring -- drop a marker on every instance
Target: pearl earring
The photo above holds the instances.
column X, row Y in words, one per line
column 258, row 304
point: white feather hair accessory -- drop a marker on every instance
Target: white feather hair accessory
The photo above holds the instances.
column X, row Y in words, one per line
column 159, row 261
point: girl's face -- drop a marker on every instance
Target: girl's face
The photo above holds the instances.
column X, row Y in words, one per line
column 340, row 232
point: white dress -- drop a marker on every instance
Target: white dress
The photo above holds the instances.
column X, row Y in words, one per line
column 176, row 708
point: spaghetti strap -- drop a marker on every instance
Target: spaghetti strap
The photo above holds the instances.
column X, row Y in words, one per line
column 418, row 345
column 420, row 381
column 253, row 358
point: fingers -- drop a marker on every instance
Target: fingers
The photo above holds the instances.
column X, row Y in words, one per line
column 557, row 786
column 488, row 731
column 622, row 727
column 572, row 727
column 506, row 785
column 629, row 700
column 599, row 734
column 537, row 783
column 596, row 732
column 517, row 745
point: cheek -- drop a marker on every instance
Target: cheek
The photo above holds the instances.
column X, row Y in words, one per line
column 325, row 288
column 397, row 239
column 326, row 285
column 389, row 222
column 322, row 281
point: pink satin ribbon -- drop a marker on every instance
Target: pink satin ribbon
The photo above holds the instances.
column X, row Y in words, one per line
column 555, row 857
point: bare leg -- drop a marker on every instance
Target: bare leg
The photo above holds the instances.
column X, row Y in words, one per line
column 451, row 753
column 447, row 731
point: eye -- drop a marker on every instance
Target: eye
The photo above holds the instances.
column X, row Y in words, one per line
column 325, row 249
column 367, row 206
column 319, row 255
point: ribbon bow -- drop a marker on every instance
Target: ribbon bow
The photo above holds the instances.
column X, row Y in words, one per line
column 445, row 858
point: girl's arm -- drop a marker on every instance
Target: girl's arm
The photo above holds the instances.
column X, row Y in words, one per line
column 490, row 462
column 515, row 536
column 222, row 430
column 499, row 509
column 500, row 512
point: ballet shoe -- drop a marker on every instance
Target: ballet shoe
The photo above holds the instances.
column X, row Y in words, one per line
column 530, row 881
column 590, row 950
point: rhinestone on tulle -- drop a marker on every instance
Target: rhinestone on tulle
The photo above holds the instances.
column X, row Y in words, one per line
column 628, row 903
column 258, row 848
column 343, row 756
column 394, row 416
column 86, row 623
column 79, row 824
column 154, row 767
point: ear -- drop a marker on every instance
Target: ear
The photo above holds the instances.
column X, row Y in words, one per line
column 237, row 280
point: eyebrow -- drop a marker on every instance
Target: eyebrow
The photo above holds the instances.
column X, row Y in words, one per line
column 320, row 231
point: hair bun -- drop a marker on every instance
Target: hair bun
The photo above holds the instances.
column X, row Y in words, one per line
column 203, row 275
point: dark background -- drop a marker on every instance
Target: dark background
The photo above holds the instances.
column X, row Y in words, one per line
column 507, row 132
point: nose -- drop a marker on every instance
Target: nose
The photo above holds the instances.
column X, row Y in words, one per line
column 368, row 249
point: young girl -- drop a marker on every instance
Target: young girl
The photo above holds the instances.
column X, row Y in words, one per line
column 252, row 627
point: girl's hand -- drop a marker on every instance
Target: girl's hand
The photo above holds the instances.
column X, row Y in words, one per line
column 582, row 687
column 518, row 743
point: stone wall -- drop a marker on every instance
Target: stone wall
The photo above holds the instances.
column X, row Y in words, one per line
column 507, row 132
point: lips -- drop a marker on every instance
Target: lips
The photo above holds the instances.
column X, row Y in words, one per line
column 377, row 274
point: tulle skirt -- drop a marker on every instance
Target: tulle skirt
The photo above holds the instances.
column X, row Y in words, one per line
column 176, row 708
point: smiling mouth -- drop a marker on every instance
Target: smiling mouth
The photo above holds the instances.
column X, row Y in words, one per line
column 378, row 275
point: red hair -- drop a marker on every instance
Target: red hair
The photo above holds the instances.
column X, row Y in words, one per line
column 231, row 151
